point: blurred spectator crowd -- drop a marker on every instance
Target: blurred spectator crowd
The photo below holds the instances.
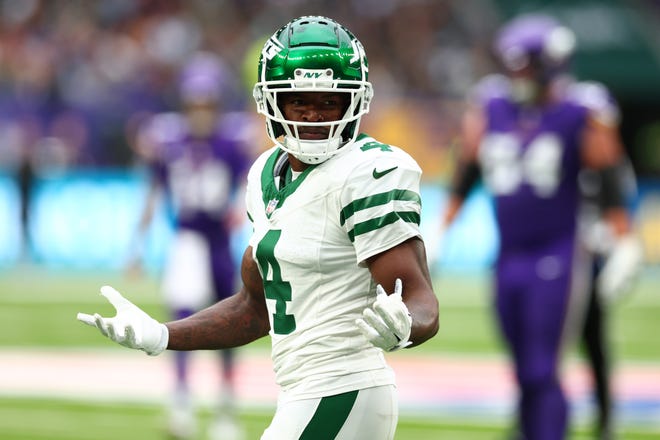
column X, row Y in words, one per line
column 77, row 76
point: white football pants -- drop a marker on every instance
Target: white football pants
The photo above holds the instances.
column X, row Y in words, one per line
column 370, row 413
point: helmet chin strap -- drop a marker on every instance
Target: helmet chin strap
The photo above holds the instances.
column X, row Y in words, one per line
column 311, row 152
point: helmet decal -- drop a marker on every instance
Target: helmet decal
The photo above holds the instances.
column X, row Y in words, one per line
column 271, row 48
column 359, row 55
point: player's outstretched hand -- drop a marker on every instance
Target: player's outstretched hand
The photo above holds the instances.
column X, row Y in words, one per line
column 621, row 268
column 130, row 327
column 388, row 323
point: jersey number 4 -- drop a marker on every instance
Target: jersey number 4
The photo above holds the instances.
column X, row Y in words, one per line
column 274, row 286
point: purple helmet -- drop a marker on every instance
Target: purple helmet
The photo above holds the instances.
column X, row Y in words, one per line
column 535, row 39
column 203, row 78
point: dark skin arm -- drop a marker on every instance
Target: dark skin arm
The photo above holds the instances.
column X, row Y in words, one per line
column 407, row 261
column 473, row 126
column 232, row 322
column 243, row 318
column 601, row 148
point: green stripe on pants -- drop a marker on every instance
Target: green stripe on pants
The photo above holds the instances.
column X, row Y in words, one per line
column 329, row 417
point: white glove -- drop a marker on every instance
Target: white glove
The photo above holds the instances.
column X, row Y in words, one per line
column 387, row 325
column 131, row 327
column 621, row 268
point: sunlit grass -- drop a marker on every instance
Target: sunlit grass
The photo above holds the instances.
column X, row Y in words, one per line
column 38, row 309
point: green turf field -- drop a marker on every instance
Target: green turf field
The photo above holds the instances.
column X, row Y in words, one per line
column 70, row 420
column 38, row 308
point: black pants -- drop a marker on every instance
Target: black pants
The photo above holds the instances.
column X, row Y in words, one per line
column 595, row 343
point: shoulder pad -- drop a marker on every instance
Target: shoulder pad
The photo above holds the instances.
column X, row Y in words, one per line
column 490, row 87
column 595, row 97
column 164, row 128
column 376, row 157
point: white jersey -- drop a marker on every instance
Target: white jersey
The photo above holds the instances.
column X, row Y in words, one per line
column 311, row 239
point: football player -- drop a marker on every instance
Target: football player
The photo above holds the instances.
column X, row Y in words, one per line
column 528, row 134
column 198, row 161
column 335, row 270
column 598, row 240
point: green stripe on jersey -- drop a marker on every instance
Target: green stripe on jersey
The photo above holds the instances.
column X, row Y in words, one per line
column 269, row 191
column 379, row 222
column 329, row 417
column 403, row 195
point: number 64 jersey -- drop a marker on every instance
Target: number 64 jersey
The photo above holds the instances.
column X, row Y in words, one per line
column 312, row 235
column 530, row 158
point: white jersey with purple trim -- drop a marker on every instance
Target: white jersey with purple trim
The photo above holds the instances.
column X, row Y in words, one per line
column 311, row 239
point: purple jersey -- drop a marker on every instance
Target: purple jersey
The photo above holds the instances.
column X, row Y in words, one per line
column 200, row 176
column 530, row 159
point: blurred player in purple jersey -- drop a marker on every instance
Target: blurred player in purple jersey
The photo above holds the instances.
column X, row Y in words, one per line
column 198, row 159
column 529, row 134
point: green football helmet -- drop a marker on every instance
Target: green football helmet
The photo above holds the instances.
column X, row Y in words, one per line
column 312, row 53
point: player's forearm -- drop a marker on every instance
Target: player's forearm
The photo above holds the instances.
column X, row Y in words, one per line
column 232, row 322
column 425, row 319
column 454, row 205
column 618, row 220
column 407, row 262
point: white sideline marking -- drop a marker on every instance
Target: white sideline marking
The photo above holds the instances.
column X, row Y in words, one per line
column 429, row 385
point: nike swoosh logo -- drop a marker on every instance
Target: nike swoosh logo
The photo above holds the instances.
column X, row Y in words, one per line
column 378, row 174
